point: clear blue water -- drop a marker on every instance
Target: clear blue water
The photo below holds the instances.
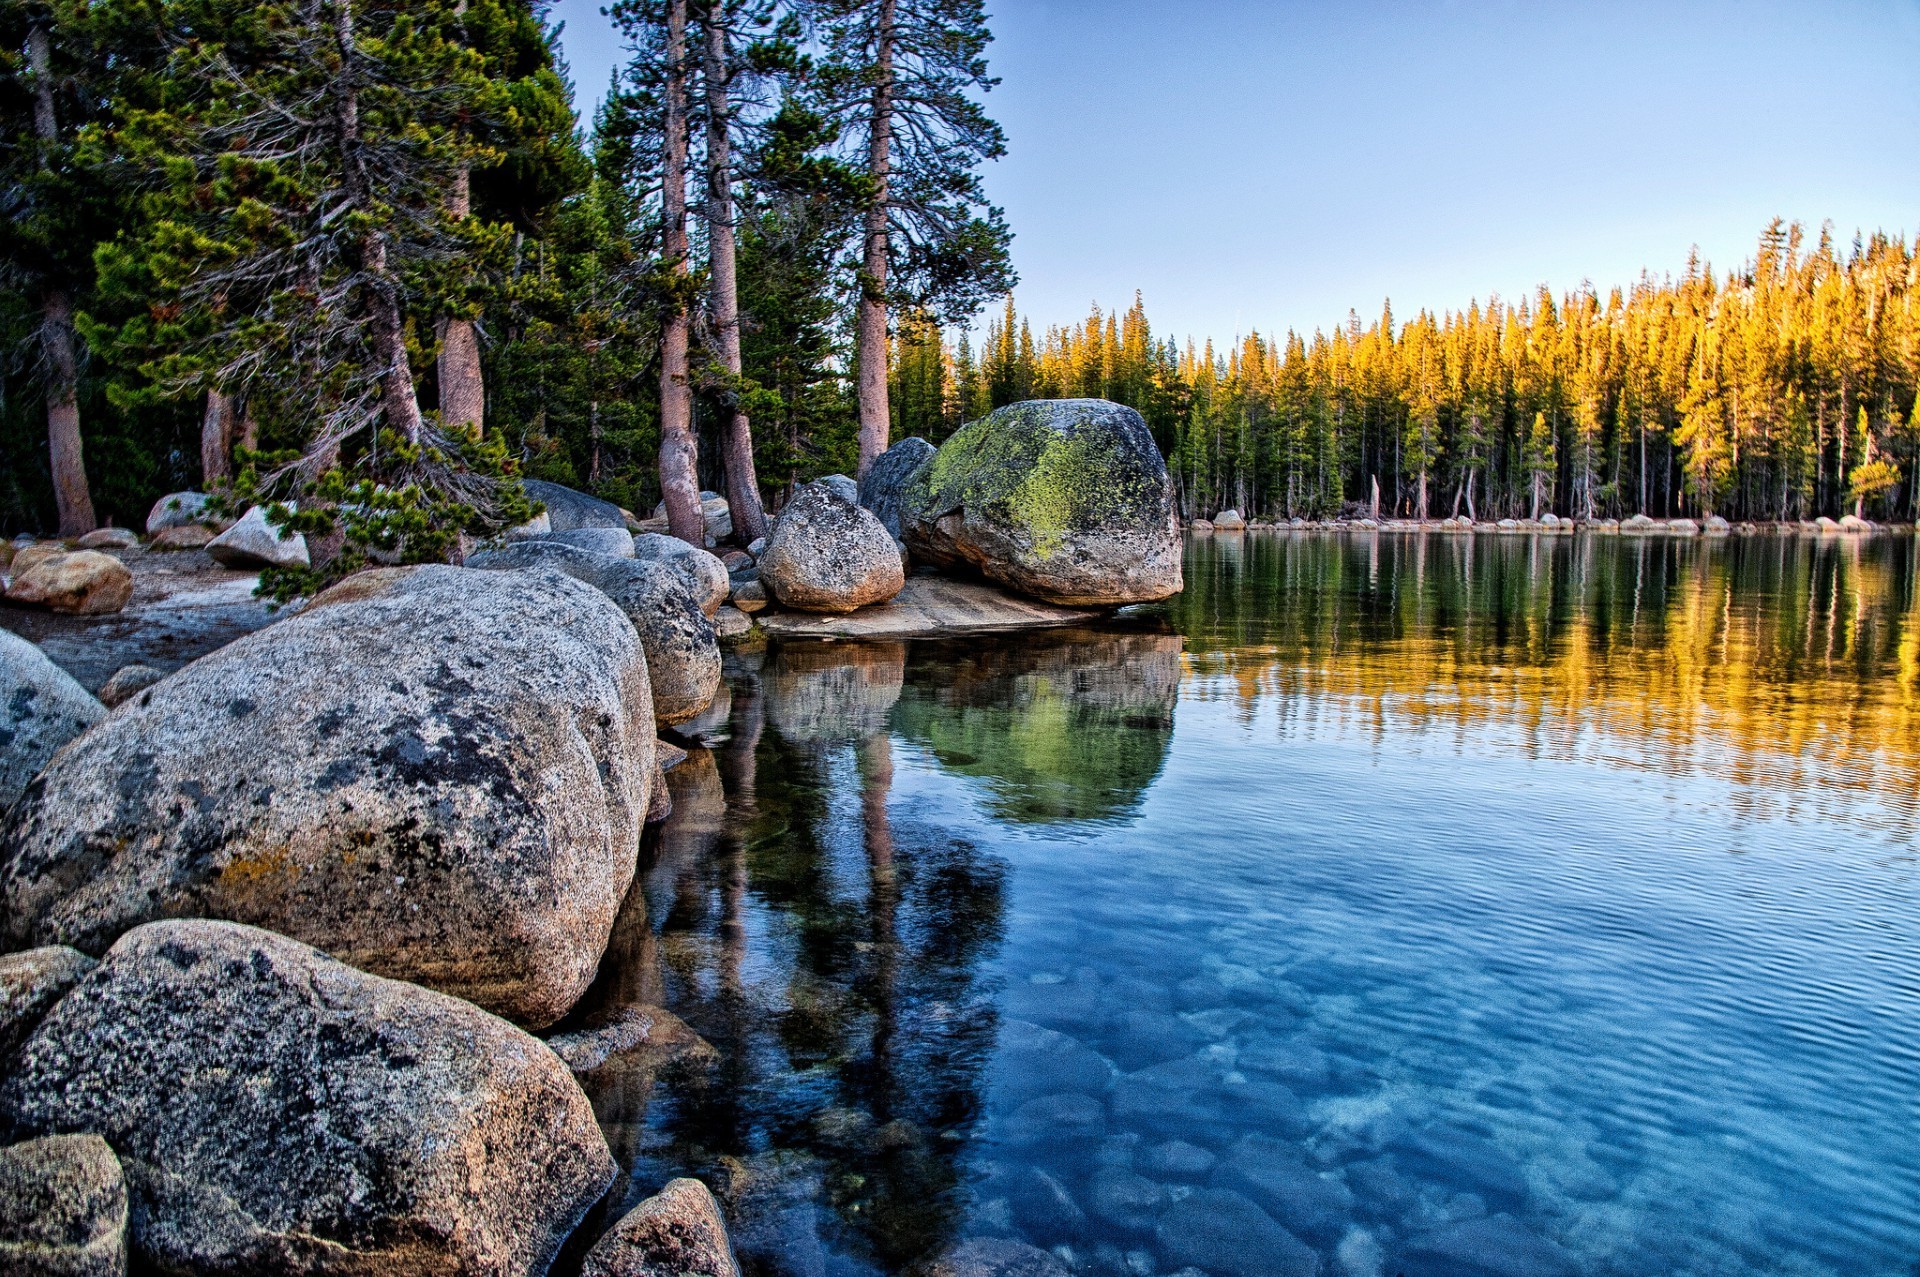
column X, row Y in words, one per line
column 1385, row 904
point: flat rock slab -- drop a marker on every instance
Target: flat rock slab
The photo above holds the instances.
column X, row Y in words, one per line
column 928, row 607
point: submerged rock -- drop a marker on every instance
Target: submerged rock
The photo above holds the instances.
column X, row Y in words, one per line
column 41, row 709
column 826, row 554
column 1037, row 1061
column 1067, row 500
column 883, row 490
column 677, row 1232
column 1224, row 1233
column 568, row 509
column 85, row 582
column 255, row 543
column 995, row 1257
column 1272, row 1174
column 30, row 983
column 433, row 773
column 681, row 645
column 278, row 1111
column 63, row 1209
column 1493, row 1246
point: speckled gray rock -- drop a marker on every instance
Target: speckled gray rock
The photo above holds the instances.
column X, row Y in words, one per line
column 826, row 554
column 432, row 773
column 277, row 1111
column 128, row 682
column 255, row 543
column 682, row 648
column 887, row 478
column 615, row 543
column 567, row 509
column 30, row 983
column 1066, row 500
column 706, row 574
column 841, row 486
column 178, row 510
column 677, row 1232
column 715, row 515
column 731, row 623
column 41, row 709
column 63, row 1209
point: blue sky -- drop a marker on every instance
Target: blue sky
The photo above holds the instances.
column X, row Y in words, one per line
column 1270, row 165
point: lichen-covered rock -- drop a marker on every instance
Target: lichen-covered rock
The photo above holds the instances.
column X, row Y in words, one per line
column 109, row 539
column 432, row 773
column 30, row 983
column 128, row 682
column 63, row 1209
column 706, row 573
column 682, row 648
column 277, row 1111
column 615, row 543
column 885, row 484
column 255, row 543
column 85, row 582
column 567, row 509
column 41, row 709
column 826, row 554
column 1066, row 500
column 178, row 510
column 677, row 1232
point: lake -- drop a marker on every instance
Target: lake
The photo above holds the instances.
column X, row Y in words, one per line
column 1387, row 903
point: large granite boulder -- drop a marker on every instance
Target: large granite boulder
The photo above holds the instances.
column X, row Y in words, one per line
column 886, row 481
column 63, row 1209
column 613, row 542
column 567, row 509
column 715, row 515
column 1066, row 500
column 682, row 648
column 432, row 773
column 277, row 1111
column 826, row 554
column 179, row 510
column 86, row 583
column 30, row 983
column 677, row 1232
column 704, row 572
column 41, row 709
column 255, row 543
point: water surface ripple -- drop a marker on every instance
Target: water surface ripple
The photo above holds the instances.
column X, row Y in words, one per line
column 1385, row 904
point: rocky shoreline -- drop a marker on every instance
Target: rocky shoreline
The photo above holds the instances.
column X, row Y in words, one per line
column 1230, row 522
column 303, row 907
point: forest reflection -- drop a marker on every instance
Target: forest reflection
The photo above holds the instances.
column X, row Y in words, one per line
column 1788, row 666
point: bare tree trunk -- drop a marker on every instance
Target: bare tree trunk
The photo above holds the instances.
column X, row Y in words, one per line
column 679, row 476
column 743, row 485
column 1373, row 505
column 391, row 366
column 217, row 429
column 870, row 349
column 71, row 498
column 463, row 397
column 1422, row 510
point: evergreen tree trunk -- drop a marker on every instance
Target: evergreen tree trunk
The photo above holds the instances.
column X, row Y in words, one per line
column 462, row 392
column 216, row 440
column 390, row 364
column 871, row 333
column 71, row 498
column 679, row 477
column 743, row 485
column 74, row 502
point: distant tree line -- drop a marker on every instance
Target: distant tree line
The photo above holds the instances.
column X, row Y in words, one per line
column 362, row 254
column 1781, row 390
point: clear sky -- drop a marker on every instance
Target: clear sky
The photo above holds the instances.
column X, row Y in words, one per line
column 1267, row 163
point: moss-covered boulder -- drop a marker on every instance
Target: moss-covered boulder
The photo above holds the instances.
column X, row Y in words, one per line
column 1067, row 500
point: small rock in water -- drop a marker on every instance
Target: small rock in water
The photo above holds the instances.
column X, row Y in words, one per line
column 1274, row 1175
column 1125, row 1200
column 1359, row 1255
column 1496, row 1246
column 1043, row 1208
column 63, row 1209
column 1462, row 1160
column 1040, row 1061
column 128, row 682
column 1177, row 1159
column 996, row 1257
column 1224, row 1233
column 1141, row 1038
column 677, row 1232
column 1175, row 1098
column 1054, row 1118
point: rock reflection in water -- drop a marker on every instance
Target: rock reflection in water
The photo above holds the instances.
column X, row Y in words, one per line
column 1072, row 725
